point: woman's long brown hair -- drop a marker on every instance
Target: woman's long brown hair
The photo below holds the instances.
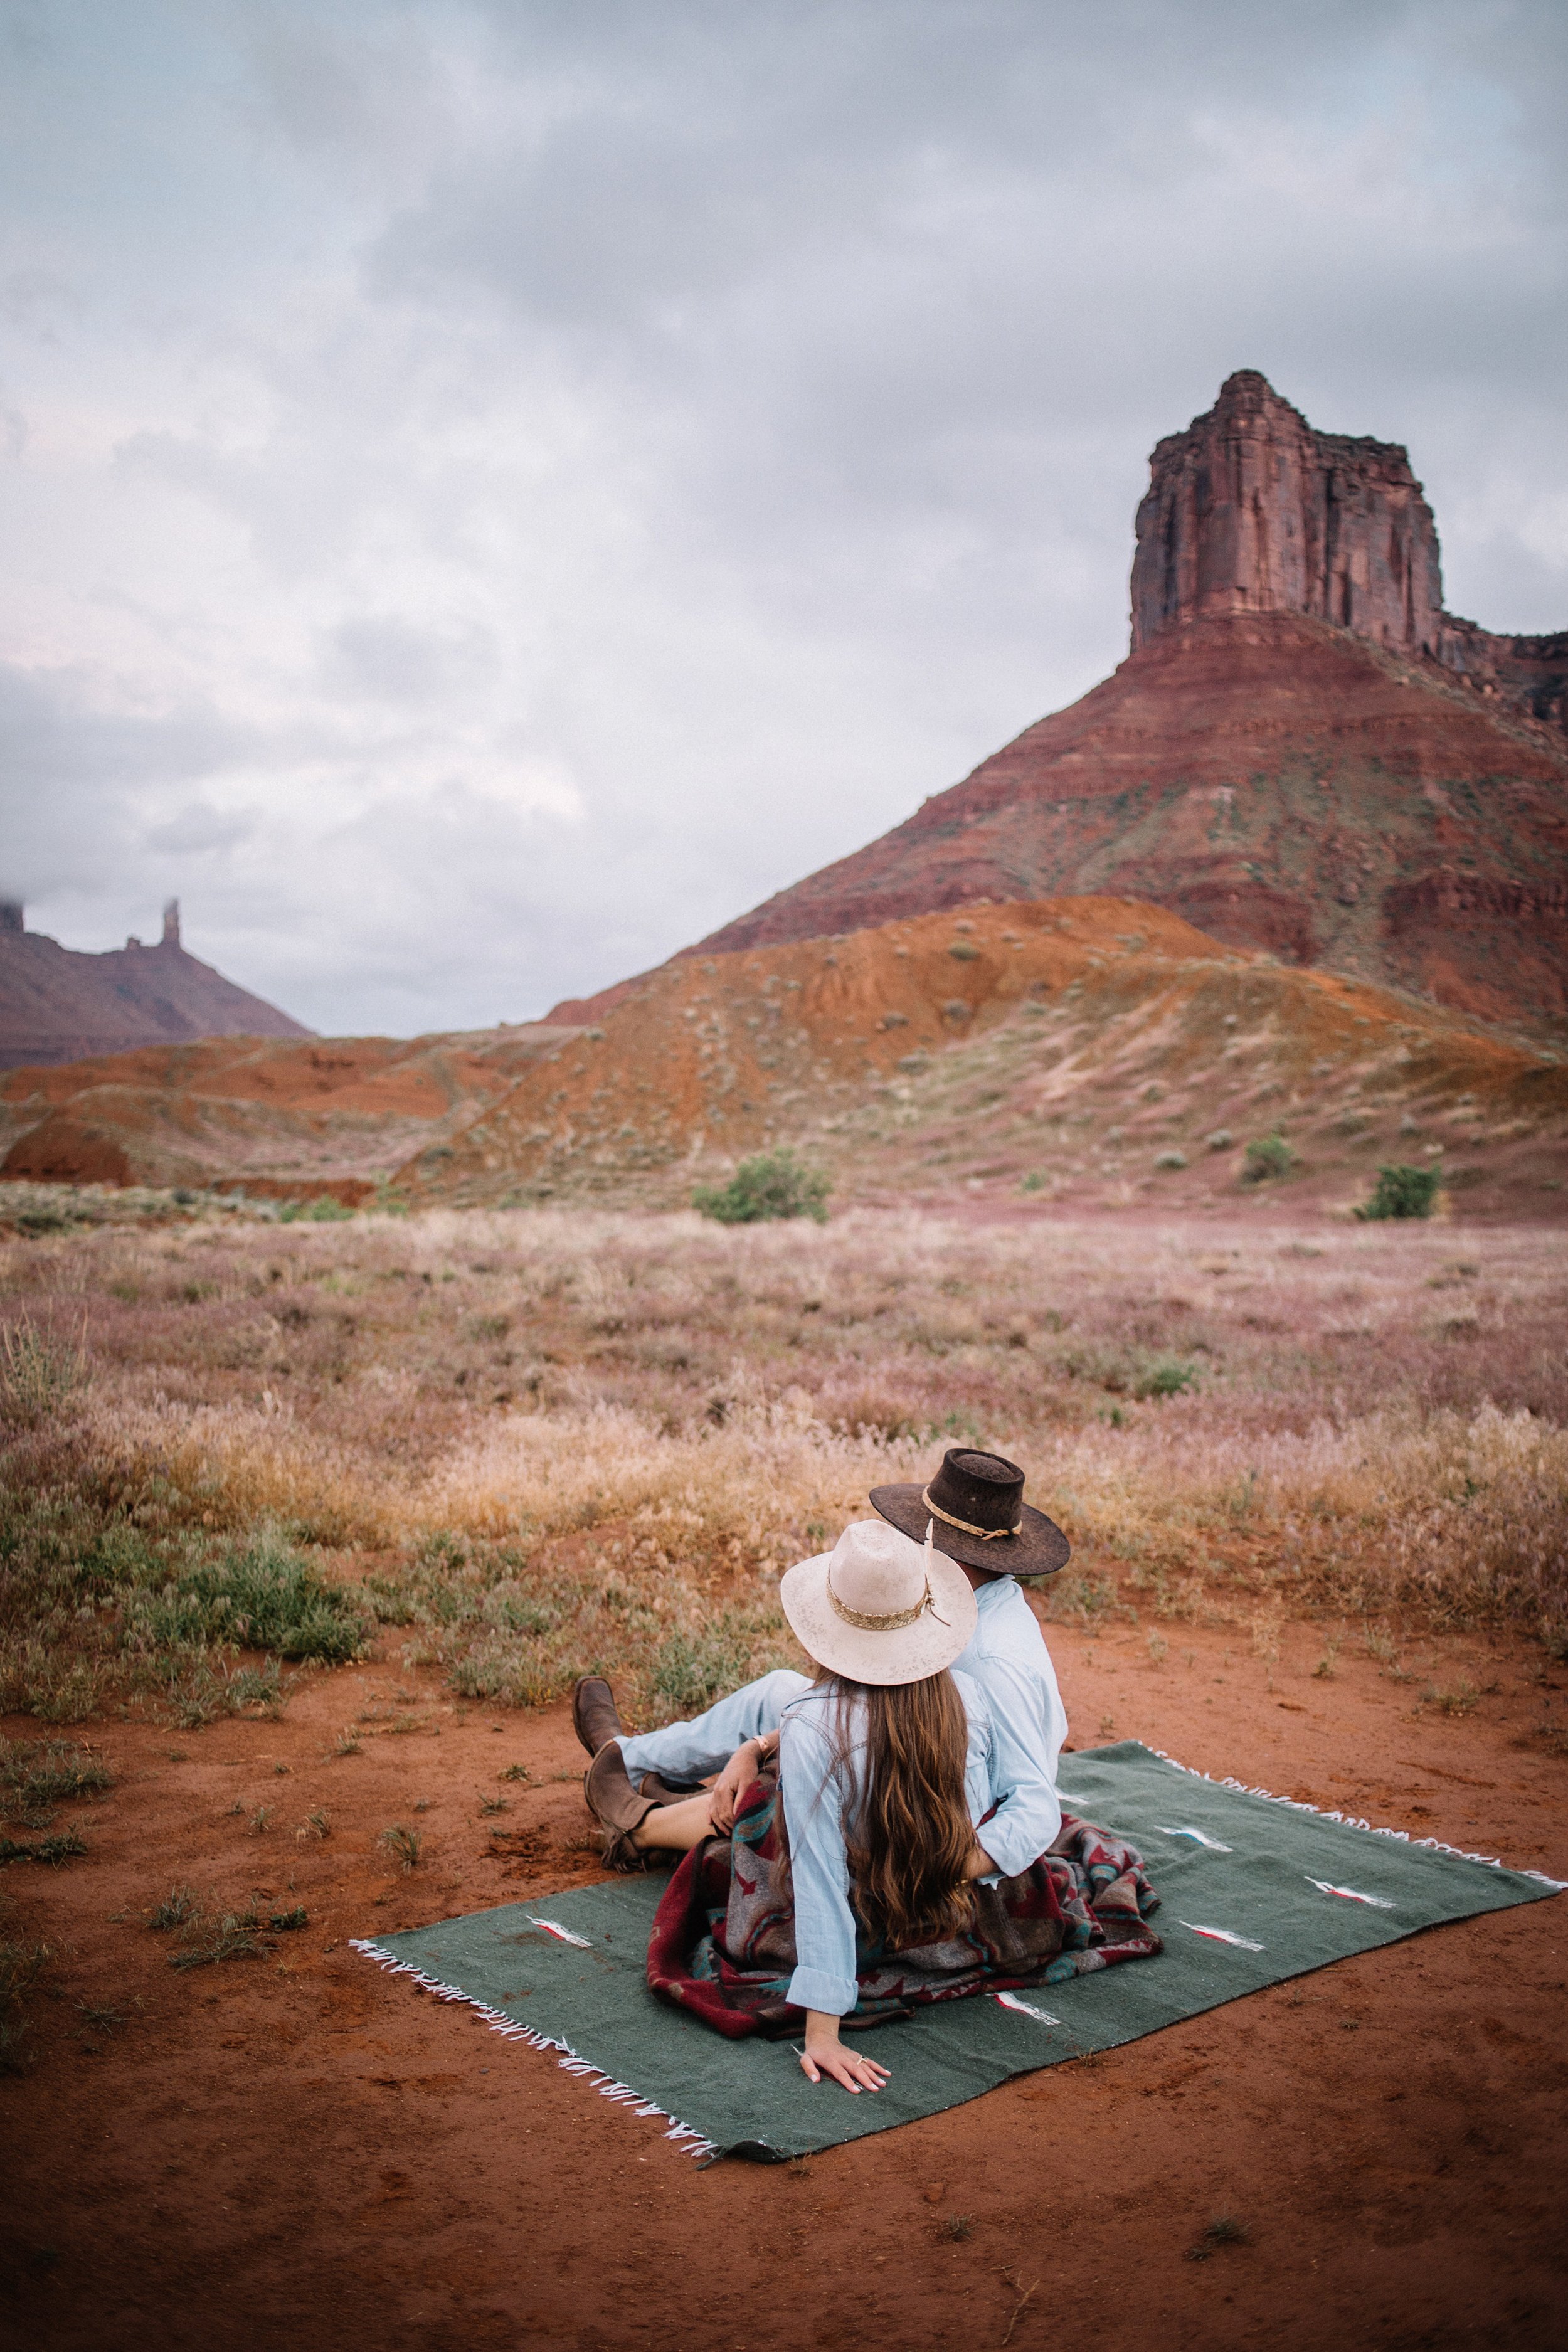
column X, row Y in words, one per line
column 908, row 1836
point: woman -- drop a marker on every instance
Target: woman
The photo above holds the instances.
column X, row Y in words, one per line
column 869, row 1888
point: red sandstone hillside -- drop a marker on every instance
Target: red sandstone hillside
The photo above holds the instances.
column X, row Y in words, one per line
column 56, row 1005
column 279, row 1119
column 1303, row 752
column 1094, row 1051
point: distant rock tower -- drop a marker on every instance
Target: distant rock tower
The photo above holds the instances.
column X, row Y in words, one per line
column 171, row 922
column 1251, row 511
column 11, row 915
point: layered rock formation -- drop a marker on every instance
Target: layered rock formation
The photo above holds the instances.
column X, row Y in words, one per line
column 1303, row 752
column 58, row 1005
column 1251, row 511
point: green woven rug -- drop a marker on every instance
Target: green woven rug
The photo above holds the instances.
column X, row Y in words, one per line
column 1254, row 1890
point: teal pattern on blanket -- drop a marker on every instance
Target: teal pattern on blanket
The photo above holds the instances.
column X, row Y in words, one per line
column 1253, row 1892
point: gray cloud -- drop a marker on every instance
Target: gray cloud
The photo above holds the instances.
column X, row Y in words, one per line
column 499, row 488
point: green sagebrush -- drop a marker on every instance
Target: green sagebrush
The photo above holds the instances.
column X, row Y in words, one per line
column 773, row 1185
column 1402, row 1190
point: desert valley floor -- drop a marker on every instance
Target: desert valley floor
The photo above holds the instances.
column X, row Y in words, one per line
column 1314, row 1477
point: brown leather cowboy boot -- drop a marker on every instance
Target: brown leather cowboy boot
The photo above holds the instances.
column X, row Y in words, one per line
column 594, row 1715
column 618, row 1808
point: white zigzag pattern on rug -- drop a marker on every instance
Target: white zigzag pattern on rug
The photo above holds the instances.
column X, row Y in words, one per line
column 693, row 2142
column 1353, row 1822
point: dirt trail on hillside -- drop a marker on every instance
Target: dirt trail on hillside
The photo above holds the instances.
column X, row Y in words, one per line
column 298, row 2148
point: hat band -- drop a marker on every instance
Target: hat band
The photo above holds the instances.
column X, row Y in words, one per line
column 888, row 1625
column 986, row 1535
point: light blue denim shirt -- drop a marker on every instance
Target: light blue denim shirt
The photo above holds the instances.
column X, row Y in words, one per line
column 1008, row 1658
column 814, row 1794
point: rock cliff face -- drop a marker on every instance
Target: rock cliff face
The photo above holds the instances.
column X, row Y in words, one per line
column 1251, row 511
column 1303, row 752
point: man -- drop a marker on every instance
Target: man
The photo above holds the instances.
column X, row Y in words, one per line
column 975, row 1510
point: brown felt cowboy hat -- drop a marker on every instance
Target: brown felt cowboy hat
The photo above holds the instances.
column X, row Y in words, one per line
column 975, row 1508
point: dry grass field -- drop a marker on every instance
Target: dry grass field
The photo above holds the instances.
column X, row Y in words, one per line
column 539, row 1442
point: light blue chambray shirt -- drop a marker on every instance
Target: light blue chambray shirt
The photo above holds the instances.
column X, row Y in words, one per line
column 1008, row 1658
column 813, row 1794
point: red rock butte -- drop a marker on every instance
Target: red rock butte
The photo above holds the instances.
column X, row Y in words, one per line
column 1303, row 752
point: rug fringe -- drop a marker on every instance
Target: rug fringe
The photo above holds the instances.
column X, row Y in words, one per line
column 691, row 2142
column 1354, row 1822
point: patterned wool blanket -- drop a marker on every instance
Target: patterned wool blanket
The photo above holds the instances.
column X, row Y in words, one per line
column 723, row 1938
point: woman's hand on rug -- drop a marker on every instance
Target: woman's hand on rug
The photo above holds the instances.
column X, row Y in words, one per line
column 732, row 1785
column 825, row 2054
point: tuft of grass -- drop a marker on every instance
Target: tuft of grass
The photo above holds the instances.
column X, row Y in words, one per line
column 1167, row 1161
column 314, row 1827
column 1461, row 1700
column 348, row 1742
column 494, row 1804
column 512, row 1772
column 286, row 1921
column 772, row 1184
column 63, row 1846
column 38, row 1775
column 266, row 1595
column 178, row 1908
column 960, row 2226
column 232, row 1937
column 38, row 1371
column 404, row 1846
column 1402, row 1190
column 1324, row 1670
column 1225, row 2229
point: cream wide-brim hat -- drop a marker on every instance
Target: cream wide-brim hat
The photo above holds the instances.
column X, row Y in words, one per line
column 879, row 1608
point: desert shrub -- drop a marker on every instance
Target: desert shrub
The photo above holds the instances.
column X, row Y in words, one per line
column 1266, row 1157
column 322, row 1211
column 1402, row 1190
column 773, row 1185
column 265, row 1596
column 689, row 1671
column 1170, row 1160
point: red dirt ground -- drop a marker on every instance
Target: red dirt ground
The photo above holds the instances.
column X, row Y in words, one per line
column 948, row 1053
column 300, row 2149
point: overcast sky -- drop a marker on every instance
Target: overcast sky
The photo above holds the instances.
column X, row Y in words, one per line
column 491, row 491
